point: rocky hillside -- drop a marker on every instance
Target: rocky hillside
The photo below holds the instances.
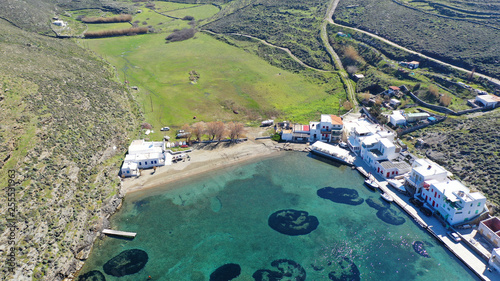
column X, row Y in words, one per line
column 64, row 125
column 470, row 149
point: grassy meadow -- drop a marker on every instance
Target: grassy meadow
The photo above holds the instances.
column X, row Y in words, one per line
column 230, row 80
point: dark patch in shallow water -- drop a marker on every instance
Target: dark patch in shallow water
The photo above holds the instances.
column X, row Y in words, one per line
column 348, row 271
column 127, row 262
column 419, row 248
column 390, row 216
column 288, row 270
column 381, row 204
column 340, row 195
column 384, row 212
column 94, row 275
column 292, row 222
column 226, row 272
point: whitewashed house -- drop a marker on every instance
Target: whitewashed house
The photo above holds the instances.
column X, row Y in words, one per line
column 423, row 171
column 59, row 23
column 488, row 101
column 329, row 129
column 397, row 118
column 143, row 155
column 453, row 200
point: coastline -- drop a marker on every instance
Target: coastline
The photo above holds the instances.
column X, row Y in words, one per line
column 204, row 159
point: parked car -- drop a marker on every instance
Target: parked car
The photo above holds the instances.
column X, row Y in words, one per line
column 182, row 135
column 454, row 236
column 165, row 129
column 426, row 211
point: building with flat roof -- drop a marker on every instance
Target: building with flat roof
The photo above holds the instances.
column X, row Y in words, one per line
column 143, row 155
column 329, row 129
column 488, row 101
column 453, row 200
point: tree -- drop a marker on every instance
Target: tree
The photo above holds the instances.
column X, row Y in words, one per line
column 235, row 130
column 187, row 133
column 347, row 105
column 215, row 130
column 197, row 130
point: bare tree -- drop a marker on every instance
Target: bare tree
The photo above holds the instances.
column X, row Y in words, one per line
column 235, row 130
column 211, row 128
column 347, row 105
column 220, row 129
column 197, row 130
column 187, row 133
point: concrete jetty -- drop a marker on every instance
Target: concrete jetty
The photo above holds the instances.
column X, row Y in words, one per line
column 119, row 233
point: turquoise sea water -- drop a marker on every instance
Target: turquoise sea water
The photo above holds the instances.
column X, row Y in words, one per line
column 222, row 217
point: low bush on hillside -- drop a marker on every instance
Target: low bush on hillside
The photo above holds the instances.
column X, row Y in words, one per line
column 116, row 32
column 181, row 35
column 119, row 18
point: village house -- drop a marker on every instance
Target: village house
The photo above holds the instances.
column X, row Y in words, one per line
column 490, row 228
column 410, row 65
column 423, row 171
column 397, row 118
column 59, row 23
column 376, row 147
column 298, row 133
column 143, row 155
column 329, row 129
column 453, row 200
column 488, row 101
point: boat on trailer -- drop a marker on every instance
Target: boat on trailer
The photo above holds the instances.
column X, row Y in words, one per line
column 397, row 184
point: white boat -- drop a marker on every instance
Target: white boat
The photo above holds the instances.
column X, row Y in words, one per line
column 343, row 144
column 397, row 184
column 371, row 183
column 387, row 197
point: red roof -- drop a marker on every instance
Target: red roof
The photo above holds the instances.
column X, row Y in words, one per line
column 336, row 120
column 305, row 128
column 394, row 88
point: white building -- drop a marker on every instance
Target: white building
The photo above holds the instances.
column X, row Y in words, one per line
column 397, row 118
column 329, row 129
column 425, row 170
column 59, row 23
column 453, row 200
column 143, row 155
column 488, row 101
column 376, row 147
column 490, row 228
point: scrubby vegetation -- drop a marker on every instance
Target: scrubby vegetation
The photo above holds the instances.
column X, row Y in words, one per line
column 290, row 24
column 119, row 18
column 462, row 42
column 469, row 148
column 181, row 35
column 61, row 116
column 116, row 32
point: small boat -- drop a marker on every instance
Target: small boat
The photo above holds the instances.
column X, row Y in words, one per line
column 343, row 144
column 397, row 184
column 387, row 197
column 371, row 183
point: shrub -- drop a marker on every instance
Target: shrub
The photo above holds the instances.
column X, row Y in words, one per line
column 119, row 18
column 116, row 32
column 181, row 35
column 188, row 18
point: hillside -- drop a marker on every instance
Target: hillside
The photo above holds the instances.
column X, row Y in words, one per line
column 462, row 39
column 469, row 148
column 62, row 116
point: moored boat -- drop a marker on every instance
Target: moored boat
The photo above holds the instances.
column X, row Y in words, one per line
column 387, row 197
column 371, row 183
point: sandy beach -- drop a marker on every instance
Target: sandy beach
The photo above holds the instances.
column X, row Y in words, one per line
column 208, row 157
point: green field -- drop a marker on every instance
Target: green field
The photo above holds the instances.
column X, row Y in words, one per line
column 230, row 79
column 198, row 12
